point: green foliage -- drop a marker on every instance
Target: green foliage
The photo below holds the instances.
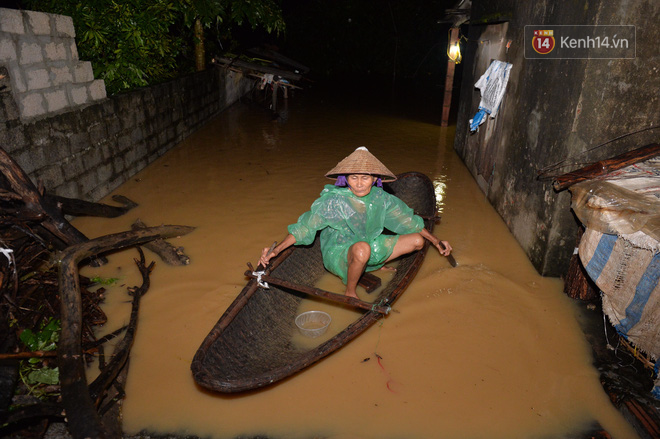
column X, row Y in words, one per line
column 128, row 42
column 104, row 280
column 33, row 372
column 134, row 43
column 44, row 340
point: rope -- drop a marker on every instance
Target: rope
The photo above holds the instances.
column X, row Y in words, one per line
column 382, row 302
column 258, row 274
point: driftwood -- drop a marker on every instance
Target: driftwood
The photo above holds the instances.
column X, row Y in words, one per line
column 604, row 167
column 170, row 254
column 35, row 203
column 83, row 418
column 76, row 207
column 98, row 388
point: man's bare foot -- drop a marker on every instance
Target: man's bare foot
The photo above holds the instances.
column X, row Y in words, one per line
column 386, row 268
column 352, row 294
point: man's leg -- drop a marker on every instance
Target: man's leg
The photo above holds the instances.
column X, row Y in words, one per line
column 358, row 256
column 407, row 244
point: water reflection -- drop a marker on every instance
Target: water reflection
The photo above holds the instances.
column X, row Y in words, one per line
column 440, row 187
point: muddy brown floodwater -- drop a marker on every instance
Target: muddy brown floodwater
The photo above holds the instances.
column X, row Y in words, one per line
column 487, row 349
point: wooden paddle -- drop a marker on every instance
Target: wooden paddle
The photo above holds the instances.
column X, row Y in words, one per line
column 382, row 309
column 450, row 257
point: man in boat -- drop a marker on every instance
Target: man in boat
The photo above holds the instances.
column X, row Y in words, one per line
column 352, row 215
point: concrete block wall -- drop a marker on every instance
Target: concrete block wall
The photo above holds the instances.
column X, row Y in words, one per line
column 40, row 54
column 88, row 151
column 569, row 112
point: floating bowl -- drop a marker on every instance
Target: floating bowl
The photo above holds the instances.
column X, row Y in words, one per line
column 313, row 323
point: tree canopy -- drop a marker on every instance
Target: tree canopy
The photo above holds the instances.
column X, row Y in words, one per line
column 134, row 43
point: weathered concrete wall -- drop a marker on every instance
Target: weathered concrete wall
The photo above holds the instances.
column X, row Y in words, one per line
column 554, row 110
column 87, row 152
column 40, row 53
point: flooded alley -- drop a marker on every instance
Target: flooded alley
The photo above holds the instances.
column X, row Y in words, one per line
column 488, row 348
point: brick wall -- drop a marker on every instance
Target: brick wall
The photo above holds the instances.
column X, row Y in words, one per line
column 40, row 54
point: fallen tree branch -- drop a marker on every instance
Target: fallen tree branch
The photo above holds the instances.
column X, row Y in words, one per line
column 100, row 385
column 170, row 254
column 604, row 167
column 83, row 419
column 76, row 207
column 24, row 355
column 53, row 220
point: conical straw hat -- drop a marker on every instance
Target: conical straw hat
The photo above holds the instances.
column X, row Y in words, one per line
column 361, row 161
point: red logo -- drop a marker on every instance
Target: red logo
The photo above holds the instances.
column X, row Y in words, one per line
column 543, row 41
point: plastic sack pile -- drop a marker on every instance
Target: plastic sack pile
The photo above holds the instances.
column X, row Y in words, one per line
column 620, row 250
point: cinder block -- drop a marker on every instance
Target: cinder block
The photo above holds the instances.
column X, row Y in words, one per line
column 104, row 173
column 64, row 26
column 17, row 81
column 88, row 181
column 37, row 79
column 97, row 89
column 52, row 176
column 92, row 157
column 39, row 133
column 118, row 164
column 97, row 133
column 55, row 51
column 69, row 189
column 39, row 22
column 61, row 75
column 29, row 53
column 82, row 72
column 31, row 159
column 79, row 142
column 32, row 104
column 74, row 51
column 56, row 100
column 11, row 21
column 7, row 49
column 79, row 95
column 10, row 108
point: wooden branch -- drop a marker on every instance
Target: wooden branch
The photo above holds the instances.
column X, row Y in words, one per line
column 604, row 167
column 83, row 419
column 24, row 355
column 76, row 207
column 53, row 220
column 120, row 355
column 170, row 254
column 334, row 297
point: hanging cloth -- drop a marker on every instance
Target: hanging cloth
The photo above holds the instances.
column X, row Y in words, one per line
column 492, row 85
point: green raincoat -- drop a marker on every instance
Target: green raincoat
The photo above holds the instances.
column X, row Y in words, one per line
column 344, row 219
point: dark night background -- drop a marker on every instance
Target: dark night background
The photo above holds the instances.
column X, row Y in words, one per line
column 388, row 47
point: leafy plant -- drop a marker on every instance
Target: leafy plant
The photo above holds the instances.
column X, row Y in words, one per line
column 33, row 372
column 134, row 43
column 44, row 340
column 104, row 280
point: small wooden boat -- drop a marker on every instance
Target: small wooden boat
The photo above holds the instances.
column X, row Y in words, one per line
column 251, row 345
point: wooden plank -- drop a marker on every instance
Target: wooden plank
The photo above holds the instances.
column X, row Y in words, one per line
column 256, row 67
column 604, row 167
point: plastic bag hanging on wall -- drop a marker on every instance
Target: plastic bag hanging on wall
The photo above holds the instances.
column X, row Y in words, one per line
column 492, row 85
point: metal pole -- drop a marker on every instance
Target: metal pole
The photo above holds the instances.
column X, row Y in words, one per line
column 449, row 81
